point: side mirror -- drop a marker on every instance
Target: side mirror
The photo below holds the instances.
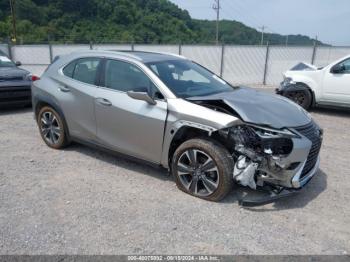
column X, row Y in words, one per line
column 139, row 95
column 338, row 69
column 18, row 63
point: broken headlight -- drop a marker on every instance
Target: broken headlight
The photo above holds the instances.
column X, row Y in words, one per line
column 265, row 132
column 258, row 141
column 275, row 142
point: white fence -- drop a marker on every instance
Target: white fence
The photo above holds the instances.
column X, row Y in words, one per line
column 256, row 65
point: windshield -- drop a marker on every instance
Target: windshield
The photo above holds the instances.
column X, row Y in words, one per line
column 186, row 79
column 5, row 62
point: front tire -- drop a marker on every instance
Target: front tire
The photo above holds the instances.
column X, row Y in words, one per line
column 303, row 98
column 203, row 168
column 52, row 128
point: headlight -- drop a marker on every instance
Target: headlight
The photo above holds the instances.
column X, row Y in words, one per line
column 265, row 132
column 288, row 81
column 28, row 77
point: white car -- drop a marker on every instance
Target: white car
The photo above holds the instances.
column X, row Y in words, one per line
column 310, row 86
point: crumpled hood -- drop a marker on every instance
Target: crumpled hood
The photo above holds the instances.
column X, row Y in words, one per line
column 303, row 67
column 260, row 108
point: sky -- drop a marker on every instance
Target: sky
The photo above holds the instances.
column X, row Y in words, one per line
column 328, row 19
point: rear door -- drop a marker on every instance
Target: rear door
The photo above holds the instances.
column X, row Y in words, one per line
column 336, row 86
column 77, row 90
column 130, row 126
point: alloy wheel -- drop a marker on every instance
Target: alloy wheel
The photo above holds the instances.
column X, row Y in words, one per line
column 50, row 127
column 198, row 172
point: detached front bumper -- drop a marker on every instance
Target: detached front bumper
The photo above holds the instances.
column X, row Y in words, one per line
column 299, row 181
column 271, row 194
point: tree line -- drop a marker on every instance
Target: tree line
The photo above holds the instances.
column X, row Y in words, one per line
column 121, row 21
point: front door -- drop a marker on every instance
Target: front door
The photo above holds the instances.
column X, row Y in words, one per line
column 133, row 127
column 336, row 86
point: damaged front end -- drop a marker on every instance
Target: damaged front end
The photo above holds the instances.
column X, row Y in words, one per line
column 275, row 145
column 274, row 159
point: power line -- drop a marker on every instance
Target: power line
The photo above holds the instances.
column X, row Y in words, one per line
column 216, row 7
column 247, row 14
column 238, row 12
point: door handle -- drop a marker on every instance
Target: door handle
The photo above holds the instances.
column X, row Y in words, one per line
column 104, row 101
column 63, row 88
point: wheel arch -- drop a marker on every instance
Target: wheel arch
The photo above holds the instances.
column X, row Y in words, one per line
column 40, row 102
column 182, row 134
column 190, row 131
column 307, row 87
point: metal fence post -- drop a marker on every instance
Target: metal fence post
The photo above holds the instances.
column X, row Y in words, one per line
column 91, row 45
column 222, row 59
column 180, row 48
column 9, row 48
column 50, row 52
column 266, row 62
column 132, row 46
column 314, row 53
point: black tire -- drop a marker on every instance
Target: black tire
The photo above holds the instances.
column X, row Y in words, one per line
column 220, row 157
column 57, row 142
column 302, row 97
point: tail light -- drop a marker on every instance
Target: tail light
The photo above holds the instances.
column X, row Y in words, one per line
column 35, row 78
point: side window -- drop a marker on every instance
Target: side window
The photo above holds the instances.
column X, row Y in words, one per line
column 83, row 69
column 346, row 65
column 86, row 70
column 123, row 76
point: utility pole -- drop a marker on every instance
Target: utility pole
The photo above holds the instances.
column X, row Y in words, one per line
column 262, row 34
column 216, row 7
column 13, row 14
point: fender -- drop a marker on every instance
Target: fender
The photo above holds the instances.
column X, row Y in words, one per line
column 312, row 79
column 179, row 116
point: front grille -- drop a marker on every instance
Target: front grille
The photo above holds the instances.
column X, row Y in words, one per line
column 314, row 134
column 14, row 94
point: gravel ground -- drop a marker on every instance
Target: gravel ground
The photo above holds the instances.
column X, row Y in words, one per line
column 84, row 201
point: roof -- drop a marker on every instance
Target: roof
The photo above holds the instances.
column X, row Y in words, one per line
column 141, row 56
column 147, row 57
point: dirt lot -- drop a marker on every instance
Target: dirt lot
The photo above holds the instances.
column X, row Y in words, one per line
column 83, row 201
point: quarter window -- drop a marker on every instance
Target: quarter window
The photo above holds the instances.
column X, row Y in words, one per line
column 83, row 70
column 69, row 69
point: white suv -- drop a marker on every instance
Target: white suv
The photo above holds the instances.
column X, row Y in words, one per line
column 309, row 86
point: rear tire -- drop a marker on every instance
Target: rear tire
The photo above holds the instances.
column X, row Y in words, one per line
column 203, row 168
column 52, row 128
